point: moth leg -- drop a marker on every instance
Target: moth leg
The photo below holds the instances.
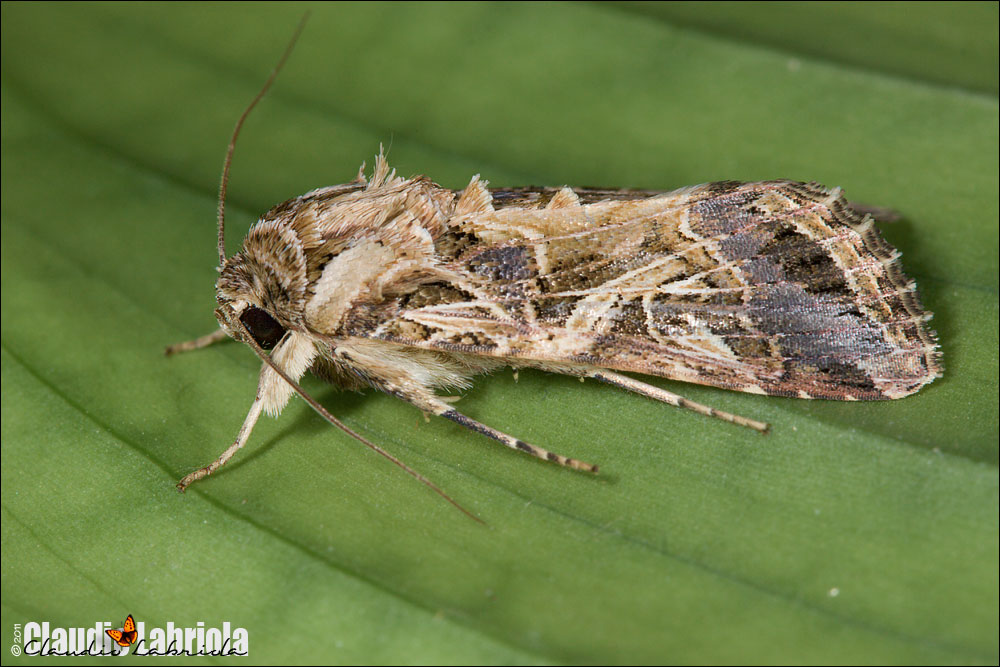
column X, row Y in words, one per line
column 197, row 343
column 433, row 404
column 241, row 440
column 409, row 374
column 649, row 391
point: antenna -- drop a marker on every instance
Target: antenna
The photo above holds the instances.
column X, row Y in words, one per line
column 236, row 132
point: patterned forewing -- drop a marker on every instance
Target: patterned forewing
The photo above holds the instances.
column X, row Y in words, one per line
column 774, row 287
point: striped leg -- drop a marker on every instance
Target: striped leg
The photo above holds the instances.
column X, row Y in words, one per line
column 649, row 391
column 514, row 443
column 433, row 404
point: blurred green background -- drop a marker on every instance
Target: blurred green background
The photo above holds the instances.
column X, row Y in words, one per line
column 853, row 533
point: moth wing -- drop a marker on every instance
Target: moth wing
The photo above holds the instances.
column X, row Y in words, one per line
column 773, row 287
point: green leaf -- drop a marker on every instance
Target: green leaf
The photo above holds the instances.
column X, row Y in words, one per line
column 853, row 533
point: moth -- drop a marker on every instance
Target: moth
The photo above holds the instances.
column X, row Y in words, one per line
column 401, row 285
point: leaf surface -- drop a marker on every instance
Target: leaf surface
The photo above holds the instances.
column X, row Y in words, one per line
column 852, row 533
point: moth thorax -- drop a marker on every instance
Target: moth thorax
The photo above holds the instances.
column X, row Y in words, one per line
column 355, row 274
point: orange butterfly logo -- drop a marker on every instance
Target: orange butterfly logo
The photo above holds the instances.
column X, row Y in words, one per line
column 127, row 635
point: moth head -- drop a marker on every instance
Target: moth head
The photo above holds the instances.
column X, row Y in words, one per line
column 262, row 288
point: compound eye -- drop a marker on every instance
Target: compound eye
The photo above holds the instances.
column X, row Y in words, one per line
column 264, row 328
